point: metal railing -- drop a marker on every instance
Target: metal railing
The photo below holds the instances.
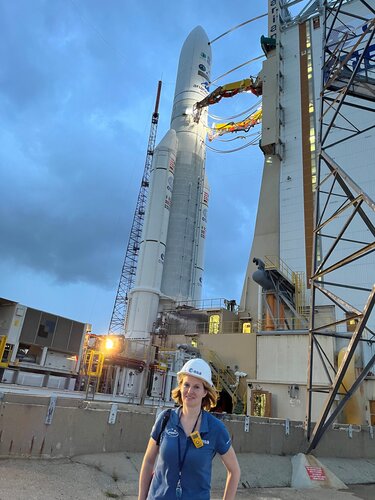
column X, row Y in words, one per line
column 219, row 303
column 136, row 349
column 281, row 324
column 299, row 282
column 274, row 262
column 326, row 319
column 195, row 328
column 224, row 377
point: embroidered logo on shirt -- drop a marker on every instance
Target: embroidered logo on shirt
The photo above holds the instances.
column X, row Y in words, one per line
column 172, row 433
column 205, row 441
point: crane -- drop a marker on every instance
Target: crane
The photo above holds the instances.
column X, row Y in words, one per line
column 127, row 278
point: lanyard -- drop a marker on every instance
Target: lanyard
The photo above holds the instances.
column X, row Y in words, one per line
column 182, row 461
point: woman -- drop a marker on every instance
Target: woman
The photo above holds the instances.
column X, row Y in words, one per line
column 188, row 442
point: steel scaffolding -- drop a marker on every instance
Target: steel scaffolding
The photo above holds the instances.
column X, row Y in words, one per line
column 344, row 227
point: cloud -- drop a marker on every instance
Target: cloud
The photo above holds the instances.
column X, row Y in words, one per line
column 77, row 89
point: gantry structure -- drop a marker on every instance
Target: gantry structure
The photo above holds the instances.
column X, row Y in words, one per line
column 344, row 226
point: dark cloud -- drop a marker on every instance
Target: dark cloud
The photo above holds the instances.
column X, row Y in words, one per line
column 77, row 89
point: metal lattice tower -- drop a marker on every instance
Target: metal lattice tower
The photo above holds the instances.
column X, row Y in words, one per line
column 129, row 268
column 344, row 226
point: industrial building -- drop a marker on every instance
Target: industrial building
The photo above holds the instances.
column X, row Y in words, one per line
column 39, row 349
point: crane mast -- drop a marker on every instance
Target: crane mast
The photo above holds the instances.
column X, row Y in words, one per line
column 129, row 268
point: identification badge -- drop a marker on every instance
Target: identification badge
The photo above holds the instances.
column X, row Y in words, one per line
column 197, row 440
column 178, row 490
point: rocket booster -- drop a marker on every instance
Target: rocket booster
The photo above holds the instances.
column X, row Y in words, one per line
column 170, row 263
column 144, row 296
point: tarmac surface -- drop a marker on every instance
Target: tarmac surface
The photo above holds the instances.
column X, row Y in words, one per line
column 115, row 475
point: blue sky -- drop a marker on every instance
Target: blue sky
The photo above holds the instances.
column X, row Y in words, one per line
column 77, row 88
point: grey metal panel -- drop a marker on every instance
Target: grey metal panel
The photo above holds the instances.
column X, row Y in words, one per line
column 76, row 337
column 30, row 326
column 46, row 330
column 62, row 334
column 183, row 220
column 6, row 317
column 270, row 128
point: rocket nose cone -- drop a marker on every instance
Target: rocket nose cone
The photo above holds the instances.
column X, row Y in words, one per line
column 196, row 38
column 194, row 66
column 198, row 33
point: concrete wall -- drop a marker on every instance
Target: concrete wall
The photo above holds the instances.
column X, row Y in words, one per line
column 235, row 349
column 81, row 427
column 282, row 404
column 282, row 361
column 77, row 427
column 284, row 358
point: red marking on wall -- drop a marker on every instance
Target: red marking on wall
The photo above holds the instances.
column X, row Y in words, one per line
column 315, row 473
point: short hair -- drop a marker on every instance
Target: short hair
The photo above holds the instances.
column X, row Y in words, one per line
column 208, row 402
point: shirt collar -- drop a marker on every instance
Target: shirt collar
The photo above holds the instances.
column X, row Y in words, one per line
column 204, row 420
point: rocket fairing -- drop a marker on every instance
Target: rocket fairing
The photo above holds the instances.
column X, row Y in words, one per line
column 170, row 263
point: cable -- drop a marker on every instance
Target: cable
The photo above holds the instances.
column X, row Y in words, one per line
column 250, row 143
column 214, row 117
column 233, row 139
column 230, row 151
column 238, row 67
column 238, row 26
column 257, row 134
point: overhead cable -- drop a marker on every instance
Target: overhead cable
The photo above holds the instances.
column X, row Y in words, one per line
column 250, row 143
column 240, row 137
column 238, row 26
column 238, row 67
column 256, row 105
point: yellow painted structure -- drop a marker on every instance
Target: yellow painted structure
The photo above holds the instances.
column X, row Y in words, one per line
column 3, row 341
column 352, row 409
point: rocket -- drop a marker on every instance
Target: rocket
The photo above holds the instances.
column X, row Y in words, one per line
column 171, row 258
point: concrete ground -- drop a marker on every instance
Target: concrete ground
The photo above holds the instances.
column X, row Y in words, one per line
column 115, row 475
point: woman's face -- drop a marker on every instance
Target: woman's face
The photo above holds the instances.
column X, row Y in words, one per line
column 192, row 391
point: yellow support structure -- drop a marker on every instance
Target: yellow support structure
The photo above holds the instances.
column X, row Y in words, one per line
column 252, row 120
column 95, row 360
column 3, row 341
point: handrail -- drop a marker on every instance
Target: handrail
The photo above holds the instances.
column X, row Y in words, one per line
column 204, row 327
column 219, row 303
column 274, row 262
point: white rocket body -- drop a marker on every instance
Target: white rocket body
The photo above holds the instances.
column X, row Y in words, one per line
column 171, row 255
column 183, row 269
column 144, row 297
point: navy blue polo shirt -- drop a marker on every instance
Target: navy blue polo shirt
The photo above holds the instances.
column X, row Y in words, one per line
column 196, row 470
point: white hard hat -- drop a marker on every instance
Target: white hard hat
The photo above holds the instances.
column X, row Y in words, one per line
column 197, row 368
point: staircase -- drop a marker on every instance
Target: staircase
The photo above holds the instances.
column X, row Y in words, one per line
column 291, row 290
column 223, row 377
